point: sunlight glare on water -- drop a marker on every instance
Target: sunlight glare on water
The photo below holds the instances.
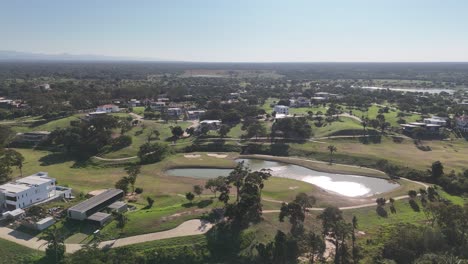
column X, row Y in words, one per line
column 350, row 189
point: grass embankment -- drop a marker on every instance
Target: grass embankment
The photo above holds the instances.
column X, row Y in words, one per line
column 14, row 253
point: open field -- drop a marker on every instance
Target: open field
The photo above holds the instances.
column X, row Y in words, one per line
column 390, row 117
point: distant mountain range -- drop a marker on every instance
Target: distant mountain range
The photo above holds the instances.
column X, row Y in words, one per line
column 7, row 55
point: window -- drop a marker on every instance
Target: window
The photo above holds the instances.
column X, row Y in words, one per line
column 14, row 199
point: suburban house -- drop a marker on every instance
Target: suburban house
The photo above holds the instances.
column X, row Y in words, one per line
column 134, row 103
column 108, row 108
column 95, row 114
column 174, row 111
column 157, row 106
column 462, row 123
column 281, row 109
column 435, row 120
column 299, row 102
column 92, row 208
column 431, row 128
column 234, row 95
column 210, row 124
column 195, row 114
column 33, row 137
column 30, row 190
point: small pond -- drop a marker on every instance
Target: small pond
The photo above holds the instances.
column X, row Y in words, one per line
column 347, row 185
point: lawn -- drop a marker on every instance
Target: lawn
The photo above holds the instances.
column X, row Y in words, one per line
column 451, row 153
column 41, row 126
column 139, row 110
column 343, row 126
column 14, row 253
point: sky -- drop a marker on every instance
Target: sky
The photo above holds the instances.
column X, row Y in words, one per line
column 241, row 30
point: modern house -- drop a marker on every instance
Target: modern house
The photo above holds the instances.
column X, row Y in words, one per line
column 108, row 108
column 30, row 190
column 210, row 124
column 91, row 208
column 435, row 120
column 462, row 123
column 33, row 137
column 195, row 114
column 134, row 103
column 157, row 106
column 299, row 102
column 281, row 109
column 174, row 111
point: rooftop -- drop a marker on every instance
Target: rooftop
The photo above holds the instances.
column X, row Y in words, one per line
column 96, row 200
column 98, row 216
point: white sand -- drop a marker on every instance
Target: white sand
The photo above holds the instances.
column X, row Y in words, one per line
column 191, row 156
column 220, row 156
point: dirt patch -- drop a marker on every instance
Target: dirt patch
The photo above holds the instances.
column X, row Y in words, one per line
column 293, row 188
column 191, row 156
column 219, row 156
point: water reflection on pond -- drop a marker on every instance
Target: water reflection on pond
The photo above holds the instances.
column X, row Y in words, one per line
column 347, row 185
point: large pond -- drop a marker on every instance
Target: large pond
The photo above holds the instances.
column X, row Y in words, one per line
column 347, row 185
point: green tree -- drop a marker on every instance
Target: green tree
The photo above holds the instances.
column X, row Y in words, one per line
column 152, row 152
column 122, row 184
column 132, row 172
column 55, row 250
column 223, row 130
column 305, row 201
column 198, row 190
column 331, row 149
column 437, row 169
column 190, row 196
column 214, row 185
column 177, row 132
column 150, row 201
column 121, row 219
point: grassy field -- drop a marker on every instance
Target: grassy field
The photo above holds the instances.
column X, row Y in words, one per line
column 14, row 253
column 49, row 126
column 451, row 153
column 343, row 126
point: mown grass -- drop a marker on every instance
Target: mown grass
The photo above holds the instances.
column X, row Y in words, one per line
column 390, row 117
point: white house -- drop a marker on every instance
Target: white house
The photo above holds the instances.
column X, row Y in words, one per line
column 29, row 190
column 108, row 108
column 134, row 103
column 435, row 120
column 195, row 114
column 210, row 124
column 281, row 109
column 157, row 106
column 174, row 111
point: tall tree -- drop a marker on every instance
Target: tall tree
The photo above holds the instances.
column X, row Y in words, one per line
column 331, row 149
column 132, row 172
column 55, row 250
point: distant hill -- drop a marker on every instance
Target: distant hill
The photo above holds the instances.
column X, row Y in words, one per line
column 7, row 55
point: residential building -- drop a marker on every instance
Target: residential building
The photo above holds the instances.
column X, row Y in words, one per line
column 435, row 120
column 281, row 109
column 299, row 102
column 195, row 114
column 157, row 106
column 326, row 95
column 134, row 103
column 33, row 137
column 211, row 124
column 461, row 123
column 174, row 111
column 108, row 108
column 30, row 190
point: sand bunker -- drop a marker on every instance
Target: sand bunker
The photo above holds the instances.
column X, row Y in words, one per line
column 220, row 156
column 293, row 188
column 191, row 156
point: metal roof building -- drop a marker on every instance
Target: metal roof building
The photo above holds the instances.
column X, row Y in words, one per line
column 94, row 204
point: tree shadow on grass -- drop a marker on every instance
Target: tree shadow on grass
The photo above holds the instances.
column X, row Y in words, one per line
column 200, row 204
column 55, row 158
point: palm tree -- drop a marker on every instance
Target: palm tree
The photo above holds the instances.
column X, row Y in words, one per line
column 55, row 244
column 332, row 149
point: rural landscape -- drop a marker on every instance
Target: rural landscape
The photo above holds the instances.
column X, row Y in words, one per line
column 234, row 132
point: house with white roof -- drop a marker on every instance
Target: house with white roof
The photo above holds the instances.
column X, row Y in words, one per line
column 30, row 190
column 108, row 108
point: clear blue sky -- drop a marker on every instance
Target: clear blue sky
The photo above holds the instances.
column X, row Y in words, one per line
column 241, row 30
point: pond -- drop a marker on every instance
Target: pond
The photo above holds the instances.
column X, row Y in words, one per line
column 343, row 184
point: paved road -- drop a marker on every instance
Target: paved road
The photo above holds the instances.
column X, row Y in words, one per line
column 188, row 228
